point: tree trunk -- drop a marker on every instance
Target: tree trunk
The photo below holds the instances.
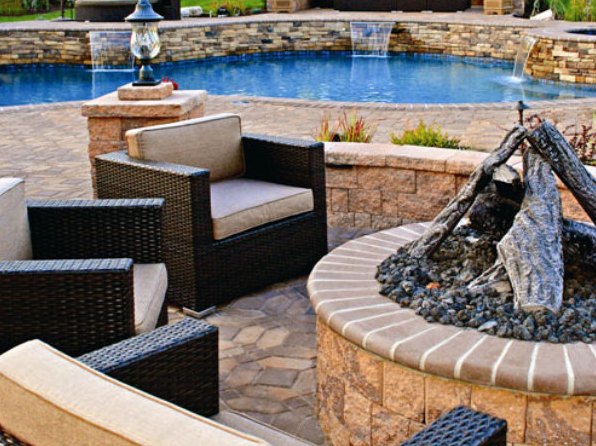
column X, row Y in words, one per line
column 553, row 147
column 532, row 250
column 448, row 218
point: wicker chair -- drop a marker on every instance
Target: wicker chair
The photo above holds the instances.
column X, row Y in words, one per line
column 241, row 211
column 94, row 296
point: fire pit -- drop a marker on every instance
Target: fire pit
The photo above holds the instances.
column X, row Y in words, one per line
column 383, row 371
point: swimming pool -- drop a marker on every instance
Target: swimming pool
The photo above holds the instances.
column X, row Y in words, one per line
column 402, row 78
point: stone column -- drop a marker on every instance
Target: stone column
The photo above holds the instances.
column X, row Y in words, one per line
column 110, row 116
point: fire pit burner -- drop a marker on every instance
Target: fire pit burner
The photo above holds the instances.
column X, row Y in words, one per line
column 520, row 270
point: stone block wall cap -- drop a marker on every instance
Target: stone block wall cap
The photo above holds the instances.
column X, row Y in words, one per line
column 129, row 92
column 179, row 103
column 345, row 296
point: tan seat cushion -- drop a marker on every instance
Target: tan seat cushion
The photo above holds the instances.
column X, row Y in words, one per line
column 213, row 143
column 15, row 237
column 50, row 399
column 150, row 286
column 241, row 204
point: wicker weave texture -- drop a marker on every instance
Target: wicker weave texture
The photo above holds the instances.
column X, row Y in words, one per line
column 205, row 272
column 462, row 426
column 74, row 305
column 84, row 229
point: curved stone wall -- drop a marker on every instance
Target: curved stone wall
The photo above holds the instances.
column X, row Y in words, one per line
column 561, row 56
column 383, row 373
column 197, row 39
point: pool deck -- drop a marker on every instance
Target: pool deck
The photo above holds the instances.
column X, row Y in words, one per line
column 267, row 339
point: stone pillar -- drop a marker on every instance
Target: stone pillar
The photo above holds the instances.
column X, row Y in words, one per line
column 287, row 5
column 110, row 116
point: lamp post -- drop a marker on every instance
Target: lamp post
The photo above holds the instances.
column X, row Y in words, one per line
column 520, row 107
column 144, row 40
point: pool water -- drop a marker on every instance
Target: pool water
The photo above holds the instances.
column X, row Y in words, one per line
column 335, row 77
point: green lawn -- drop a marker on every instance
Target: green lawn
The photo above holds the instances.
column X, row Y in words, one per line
column 46, row 16
column 210, row 4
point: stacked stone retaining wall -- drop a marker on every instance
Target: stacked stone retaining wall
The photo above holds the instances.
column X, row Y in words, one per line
column 197, row 41
column 379, row 186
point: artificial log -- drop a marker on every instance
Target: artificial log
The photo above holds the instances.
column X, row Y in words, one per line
column 579, row 243
column 532, row 250
column 495, row 278
column 448, row 218
column 553, row 147
column 495, row 207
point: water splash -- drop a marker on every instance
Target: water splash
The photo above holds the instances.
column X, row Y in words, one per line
column 523, row 52
column 370, row 38
column 110, row 50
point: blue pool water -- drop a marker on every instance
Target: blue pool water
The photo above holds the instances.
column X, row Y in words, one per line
column 336, row 77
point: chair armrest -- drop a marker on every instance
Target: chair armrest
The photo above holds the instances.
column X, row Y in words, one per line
column 287, row 161
column 178, row 363
column 75, row 305
column 186, row 190
column 462, row 426
column 84, row 229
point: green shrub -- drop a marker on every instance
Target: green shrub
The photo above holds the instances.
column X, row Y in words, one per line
column 11, row 7
column 349, row 128
column 431, row 136
column 570, row 10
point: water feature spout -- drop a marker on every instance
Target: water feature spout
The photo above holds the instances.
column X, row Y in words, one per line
column 110, row 50
column 523, row 52
column 370, row 38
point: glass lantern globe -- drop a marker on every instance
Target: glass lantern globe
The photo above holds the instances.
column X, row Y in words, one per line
column 144, row 40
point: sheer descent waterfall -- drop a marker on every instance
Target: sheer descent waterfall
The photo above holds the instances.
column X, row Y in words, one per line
column 370, row 38
column 525, row 46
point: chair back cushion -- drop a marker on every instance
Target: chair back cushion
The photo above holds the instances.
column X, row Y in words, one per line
column 15, row 237
column 213, row 142
column 51, row 399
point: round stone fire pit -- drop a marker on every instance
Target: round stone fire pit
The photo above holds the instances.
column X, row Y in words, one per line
column 383, row 372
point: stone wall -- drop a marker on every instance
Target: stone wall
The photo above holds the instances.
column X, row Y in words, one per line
column 563, row 57
column 378, row 186
column 181, row 43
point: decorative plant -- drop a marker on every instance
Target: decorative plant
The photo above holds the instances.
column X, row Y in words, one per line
column 172, row 81
column 571, row 10
column 36, row 5
column 429, row 136
column 349, row 128
column 581, row 137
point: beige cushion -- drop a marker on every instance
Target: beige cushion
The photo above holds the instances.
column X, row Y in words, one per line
column 241, row 204
column 15, row 237
column 49, row 399
column 212, row 143
column 244, row 423
column 150, row 285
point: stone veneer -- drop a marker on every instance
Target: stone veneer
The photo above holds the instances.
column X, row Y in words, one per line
column 561, row 56
column 378, row 186
column 198, row 40
column 383, row 373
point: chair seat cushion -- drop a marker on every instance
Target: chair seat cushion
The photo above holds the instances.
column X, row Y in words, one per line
column 150, row 285
column 51, row 399
column 240, row 204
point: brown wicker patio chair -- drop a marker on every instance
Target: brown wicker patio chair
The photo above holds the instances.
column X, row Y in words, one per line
column 92, row 296
column 241, row 211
